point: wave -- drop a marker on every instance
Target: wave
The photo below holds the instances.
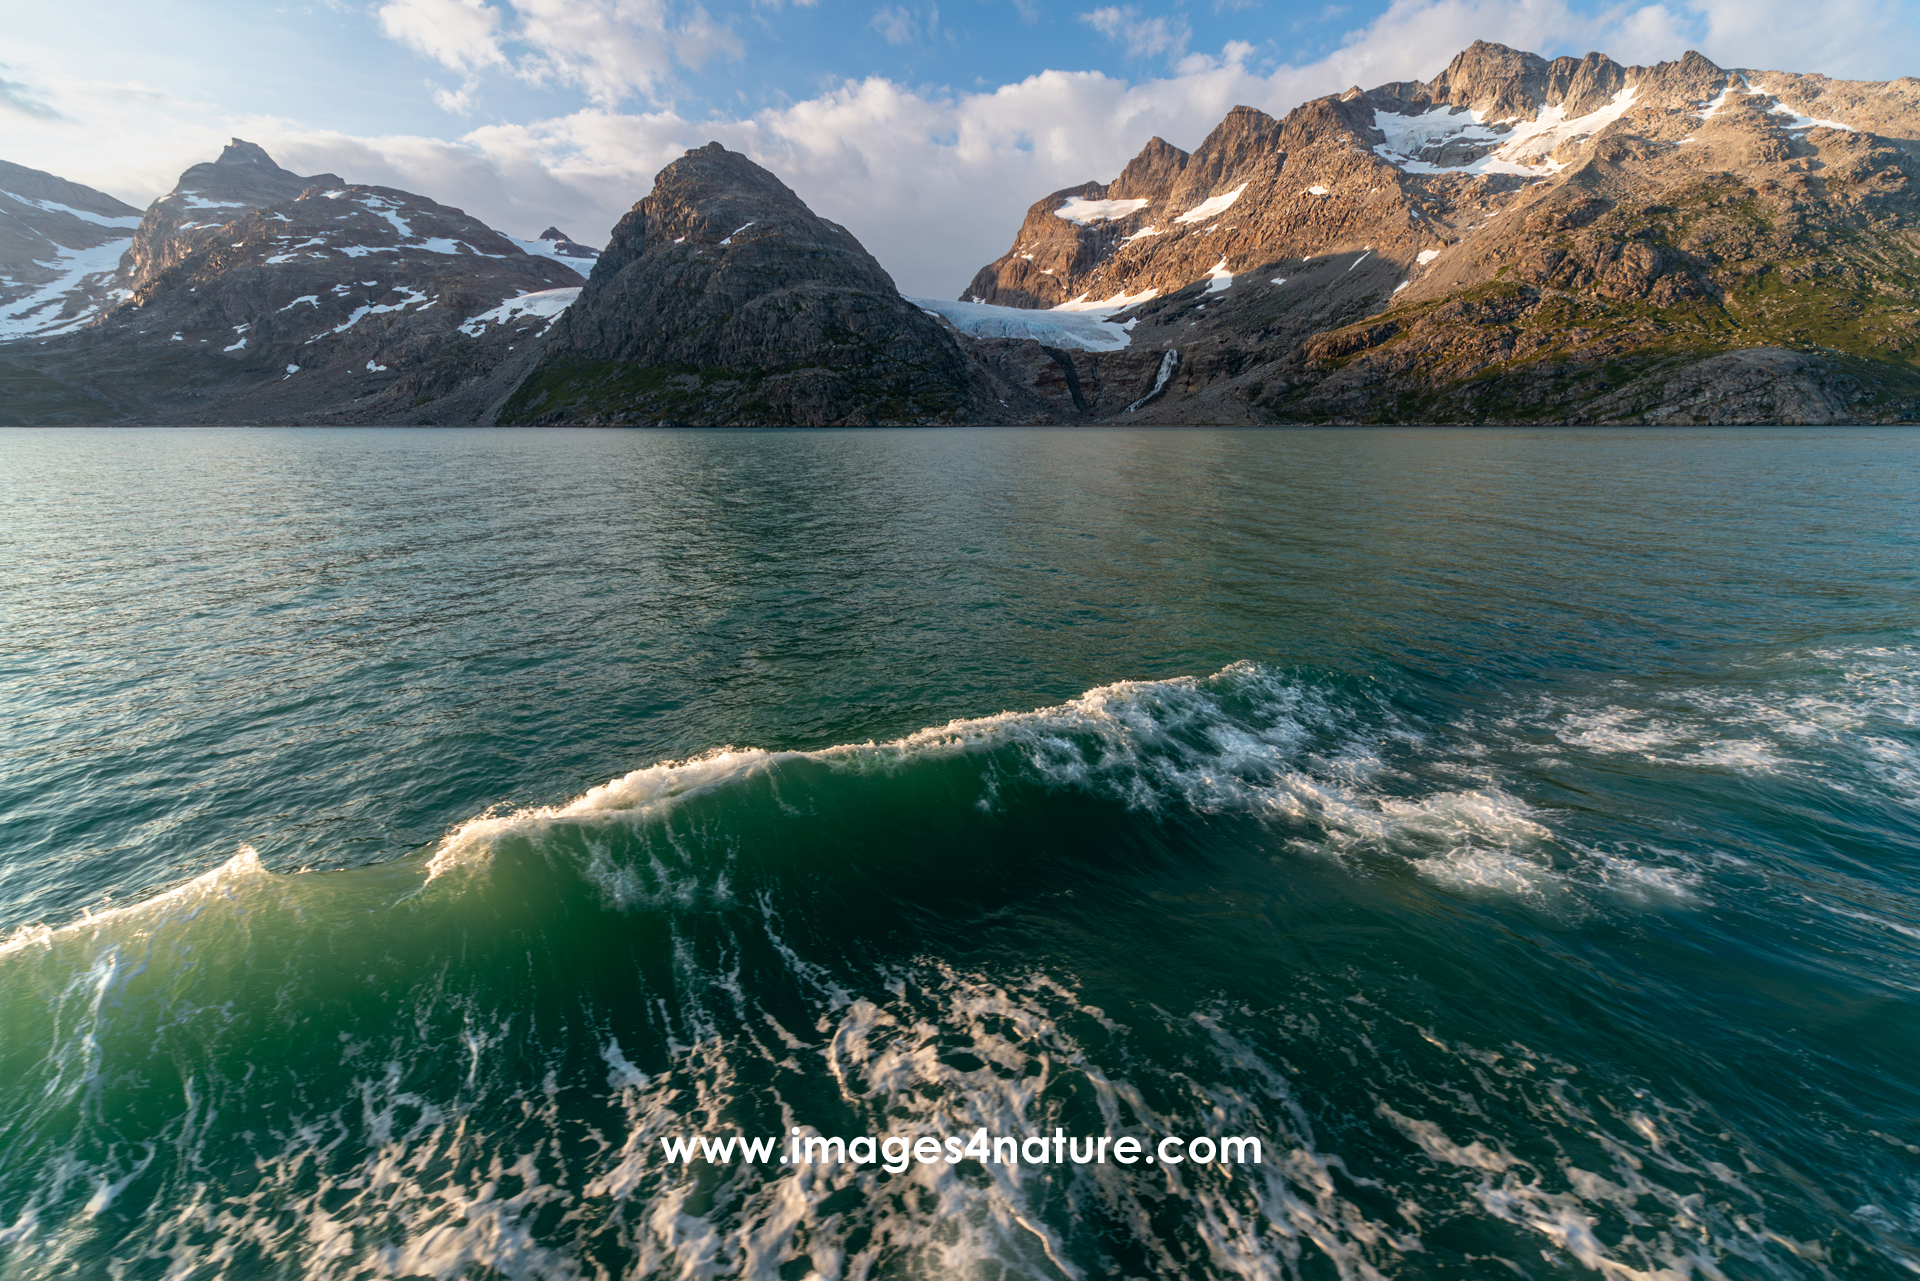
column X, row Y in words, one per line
column 463, row 1062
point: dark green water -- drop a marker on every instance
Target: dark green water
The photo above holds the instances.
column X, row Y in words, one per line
column 1518, row 831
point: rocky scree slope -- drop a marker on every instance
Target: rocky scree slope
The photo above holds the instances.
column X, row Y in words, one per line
column 1515, row 240
column 340, row 303
column 61, row 246
column 721, row 298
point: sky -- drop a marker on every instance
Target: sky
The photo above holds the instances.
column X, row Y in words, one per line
column 927, row 127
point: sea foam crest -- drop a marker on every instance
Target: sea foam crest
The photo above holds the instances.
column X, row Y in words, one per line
column 1246, row 739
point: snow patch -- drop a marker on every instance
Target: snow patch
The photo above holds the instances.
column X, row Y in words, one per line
column 1797, row 122
column 1318, row 190
column 1212, row 207
column 38, row 313
column 239, row 346
column 368, row 309
column 459, row 248
column 1219, row 278
column 1078, row 327
column 375, row 369
column 543, row 304
column 1083, row 212
column 1142, row 234
column 1707, row 112
column 1524, row 146
column 736, row 231
column 54, row 206
column 551, row 249
column 1118, row 302
column 312, row 300
column 1426, row 256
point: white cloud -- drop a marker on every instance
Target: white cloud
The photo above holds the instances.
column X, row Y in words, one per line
column 607, row 49
column 461, row 34
column 1141, row 36
column 895, row 24
column 20, row 99
column 933, row 181
column 458, row 102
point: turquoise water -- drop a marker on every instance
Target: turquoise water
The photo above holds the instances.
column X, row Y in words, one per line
column 402, row 832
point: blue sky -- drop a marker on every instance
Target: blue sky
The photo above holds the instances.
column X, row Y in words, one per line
column 927, row 126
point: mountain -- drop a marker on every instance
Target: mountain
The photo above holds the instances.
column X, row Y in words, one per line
column 1517, row 239
column 722, row 298
column 339, row 301
column 207, row 198
column 555, row 243
column 60, row 251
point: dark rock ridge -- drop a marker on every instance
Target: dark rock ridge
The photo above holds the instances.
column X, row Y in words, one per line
column 60, row 249
column 722, row 298
column 1517, row 239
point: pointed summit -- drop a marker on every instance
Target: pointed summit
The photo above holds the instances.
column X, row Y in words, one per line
column 723, row 270
column 208, row 197
column 242, row 152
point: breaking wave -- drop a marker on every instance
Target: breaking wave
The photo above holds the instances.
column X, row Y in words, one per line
column 462, row 1063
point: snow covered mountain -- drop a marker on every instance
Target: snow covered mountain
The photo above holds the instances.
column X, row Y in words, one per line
column 1517, row 238
column 60, row 251
column 207, row 198
column 250, row 290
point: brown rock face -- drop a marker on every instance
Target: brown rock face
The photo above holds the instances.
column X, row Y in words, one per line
column 722, row 298
column 1517, row 239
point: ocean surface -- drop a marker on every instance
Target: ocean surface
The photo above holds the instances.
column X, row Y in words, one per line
column 402, row 833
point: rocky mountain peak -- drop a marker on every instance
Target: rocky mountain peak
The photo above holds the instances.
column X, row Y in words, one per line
column 208, row 197
column 242, row 152
column 558, row 244
column 1149, row 174
column 1497, row 82
column 710, row 192
column 722, row 293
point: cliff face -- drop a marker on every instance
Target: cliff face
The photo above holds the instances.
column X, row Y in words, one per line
column 1517, row 239
column 722, row 298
